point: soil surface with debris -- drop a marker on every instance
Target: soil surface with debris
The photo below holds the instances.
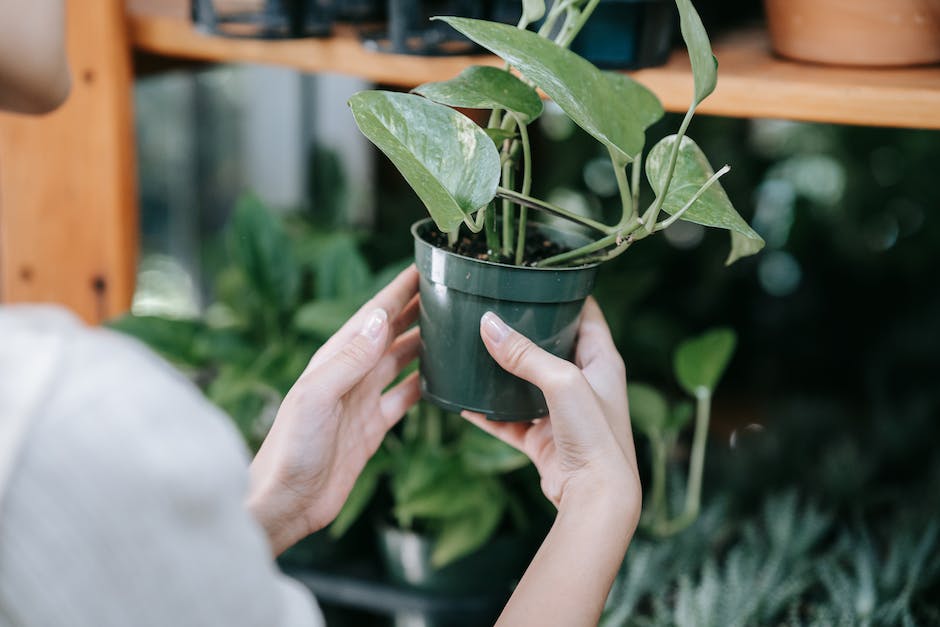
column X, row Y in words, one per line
column 537, row 247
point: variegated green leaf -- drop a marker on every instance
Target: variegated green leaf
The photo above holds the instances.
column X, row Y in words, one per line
column 448, row 160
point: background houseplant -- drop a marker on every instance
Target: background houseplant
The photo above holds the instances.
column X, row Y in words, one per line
column 843, row 534
column 284, row 288
column 699, row 364
column 838, row 351
column 458, row 170
column 452, row 490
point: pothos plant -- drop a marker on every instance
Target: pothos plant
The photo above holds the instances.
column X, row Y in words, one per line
column 460, row 170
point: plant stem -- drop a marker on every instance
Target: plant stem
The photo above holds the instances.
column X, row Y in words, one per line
column 614, row 252
column 495, row 118
column 651, row 215
column 665, row 224
column 658, row 498
column 492, row 237
column 507, row 210
column 520, row 238
column 526, row 156
column 622, row 238
column 508, row 179
column 636, row 168
column 535, row 203
column 587, row 249
column 693, row 496
column 573, row 30
column 475, row 225
column 553, row 14
column 526, row 186
column 627, row 207
column 452, row 237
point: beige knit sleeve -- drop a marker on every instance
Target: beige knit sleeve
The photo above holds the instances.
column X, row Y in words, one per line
column 124, row 505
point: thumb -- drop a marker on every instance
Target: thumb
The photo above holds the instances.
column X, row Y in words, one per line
column 518, row 355
column 339, row 374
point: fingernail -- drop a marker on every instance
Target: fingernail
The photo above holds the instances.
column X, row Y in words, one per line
column 494, row 328
column 373, row 327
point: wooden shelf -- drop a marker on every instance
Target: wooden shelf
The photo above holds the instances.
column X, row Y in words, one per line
column 752, row 82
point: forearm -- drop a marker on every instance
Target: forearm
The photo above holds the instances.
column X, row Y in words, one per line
column 568, row 580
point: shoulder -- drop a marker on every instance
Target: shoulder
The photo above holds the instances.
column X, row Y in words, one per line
column 105, row 400
column 126, row 480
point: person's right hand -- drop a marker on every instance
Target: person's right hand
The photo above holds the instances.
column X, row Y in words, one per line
column 584, row 448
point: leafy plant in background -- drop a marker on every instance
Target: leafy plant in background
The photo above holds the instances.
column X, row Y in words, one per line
column 699, row 364
column 285, row 290
column 445, row 481
column 778, row 567
column 766, row 551
column 867, row 587
column 459, row 169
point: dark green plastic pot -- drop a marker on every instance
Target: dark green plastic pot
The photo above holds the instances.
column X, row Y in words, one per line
column 542, row 303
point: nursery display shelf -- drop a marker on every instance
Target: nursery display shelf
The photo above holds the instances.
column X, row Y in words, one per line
column 752, row 82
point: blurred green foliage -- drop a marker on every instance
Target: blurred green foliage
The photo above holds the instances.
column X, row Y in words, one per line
column 444, row 478
column 283, row 290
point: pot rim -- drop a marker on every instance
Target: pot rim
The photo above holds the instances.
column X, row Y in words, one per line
column 418, row 238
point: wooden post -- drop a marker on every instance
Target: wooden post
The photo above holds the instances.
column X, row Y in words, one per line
column 68, row 198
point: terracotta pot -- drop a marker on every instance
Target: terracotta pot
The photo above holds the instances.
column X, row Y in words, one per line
column 856, row 32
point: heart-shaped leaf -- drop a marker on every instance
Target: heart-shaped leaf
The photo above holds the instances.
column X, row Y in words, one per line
column 648, row 409
column 361, row 494
column 679, row 417
column 461, row 535
column 704, row 63
column 701, row 361
column 484, row 87
column 435, row 499
column 713, row 208
column 612, row 107
column 341, row 270
column 448, row 160
column 743, row 246
column 484, row 454
column 262, row 249
column 323, row 318
column 174, row 339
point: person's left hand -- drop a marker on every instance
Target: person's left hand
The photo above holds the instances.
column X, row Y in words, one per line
column 335, row 416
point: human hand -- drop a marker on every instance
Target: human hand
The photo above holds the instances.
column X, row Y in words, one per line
column 584, row 448
column 336, row 415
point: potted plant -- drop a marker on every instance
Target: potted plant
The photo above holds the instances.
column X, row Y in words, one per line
column 430, row 539
column 473, row 256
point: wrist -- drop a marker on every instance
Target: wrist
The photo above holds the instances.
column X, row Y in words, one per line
column 609, row 500
column 281, row 523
